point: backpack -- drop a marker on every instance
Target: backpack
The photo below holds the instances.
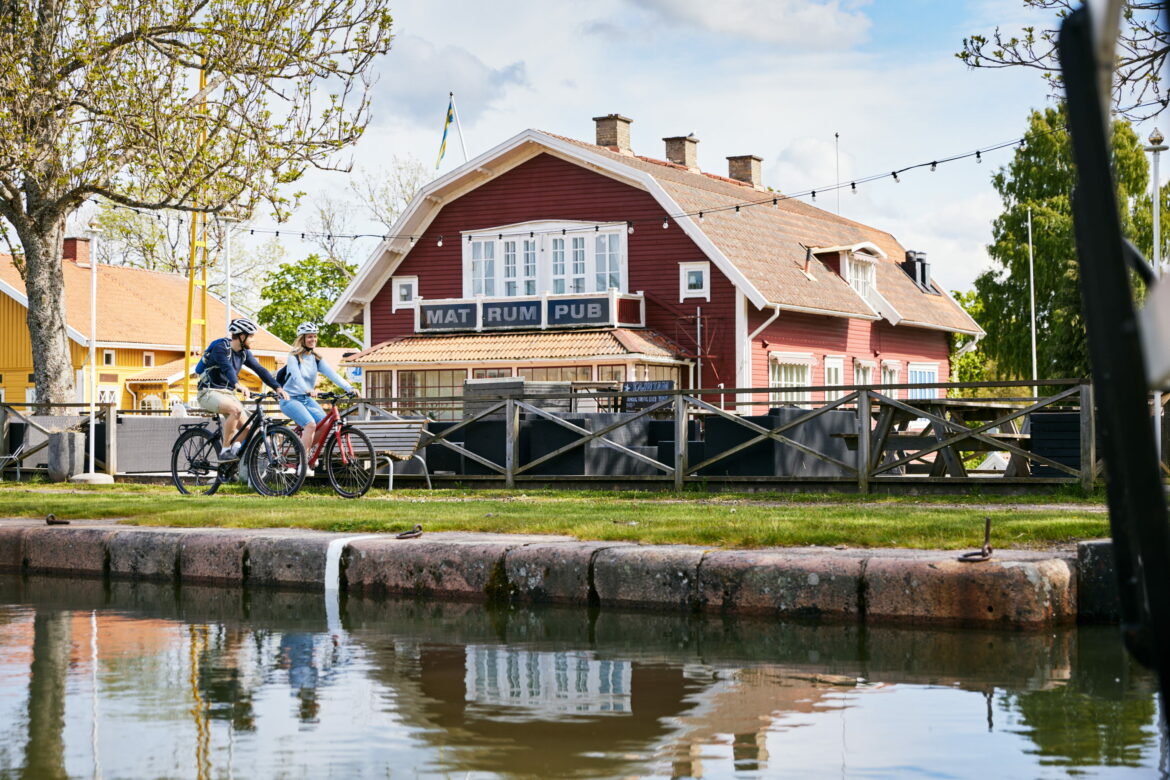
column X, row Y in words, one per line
column 282, row 375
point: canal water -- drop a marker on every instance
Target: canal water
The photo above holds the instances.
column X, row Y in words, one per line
column 125, row 680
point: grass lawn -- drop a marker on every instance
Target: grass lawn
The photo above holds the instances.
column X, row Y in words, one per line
column 709, row 519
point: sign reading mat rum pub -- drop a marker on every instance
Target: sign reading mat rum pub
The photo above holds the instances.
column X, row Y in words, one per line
column 527, row 313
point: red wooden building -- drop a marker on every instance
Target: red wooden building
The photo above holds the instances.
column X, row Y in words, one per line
column 552, row 258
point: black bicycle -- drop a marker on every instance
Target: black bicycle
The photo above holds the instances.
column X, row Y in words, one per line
column 272, row 457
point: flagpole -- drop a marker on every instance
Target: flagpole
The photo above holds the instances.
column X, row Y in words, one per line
column 458, row 126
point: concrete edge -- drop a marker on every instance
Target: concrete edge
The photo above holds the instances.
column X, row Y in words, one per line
column 1013, row 589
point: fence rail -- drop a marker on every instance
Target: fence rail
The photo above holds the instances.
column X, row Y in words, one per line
column 862, row 437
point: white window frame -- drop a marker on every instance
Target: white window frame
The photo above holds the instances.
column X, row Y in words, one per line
column 929, row 392
column 684, row 270
column 396, row 283
column 861, row 273
column 777, row 363
column 834, row 363
column 108, row 391
column 537, row 246
column 151, row 398
column 148, row 359
column 109, row 357
column 863, row 366
column 891, row 370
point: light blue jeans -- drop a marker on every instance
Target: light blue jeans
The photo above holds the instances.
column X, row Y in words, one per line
column 302, row 409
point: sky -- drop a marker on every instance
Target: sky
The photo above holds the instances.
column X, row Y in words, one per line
column 775, row 78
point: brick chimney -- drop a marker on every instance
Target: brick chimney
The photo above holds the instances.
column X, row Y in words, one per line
column 745, row 168
column 613, row 132
column 76, row 250
column 683, row 150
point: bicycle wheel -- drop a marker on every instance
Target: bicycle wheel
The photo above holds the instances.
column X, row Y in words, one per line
column 276, row 462
column 195, row 462
column 350, row 462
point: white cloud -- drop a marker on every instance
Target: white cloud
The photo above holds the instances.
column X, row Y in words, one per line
column 419, row 74
column 799, row 23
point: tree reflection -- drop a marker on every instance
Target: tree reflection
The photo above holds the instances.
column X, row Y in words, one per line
column 45, row 754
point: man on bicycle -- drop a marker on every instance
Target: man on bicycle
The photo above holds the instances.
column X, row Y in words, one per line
column 221, row 362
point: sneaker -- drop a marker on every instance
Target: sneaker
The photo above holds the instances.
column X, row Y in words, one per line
column 229, row 454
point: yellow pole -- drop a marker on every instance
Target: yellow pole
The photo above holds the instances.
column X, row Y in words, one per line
column 194, row 278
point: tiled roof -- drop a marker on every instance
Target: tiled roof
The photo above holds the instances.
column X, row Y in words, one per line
column 527, row 345
column 764, row 243
column 162, row 373
column 136, row 306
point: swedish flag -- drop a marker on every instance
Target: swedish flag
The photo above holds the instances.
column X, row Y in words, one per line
column 446, row 126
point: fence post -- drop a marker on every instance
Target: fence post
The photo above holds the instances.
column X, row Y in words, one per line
column 111, row 416
column 511, row 440
column 680, row 439
column 864, row 430
column 1088, row 439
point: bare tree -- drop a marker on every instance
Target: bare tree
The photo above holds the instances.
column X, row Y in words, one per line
column 1141, row 53
column 386, row 192
column 192, row 105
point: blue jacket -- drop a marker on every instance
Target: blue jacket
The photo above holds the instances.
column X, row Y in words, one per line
column 222, row 364
column 301, row 377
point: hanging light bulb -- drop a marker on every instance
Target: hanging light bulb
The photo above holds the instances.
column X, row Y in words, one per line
column 469, row 239
column 933, row 166
column 738, row 213
column 853, row 186
column 665, row 224
column 775, row 202
column 700, row 216
column 978, row 157
column 439, row 242
column 814, row 194
column 412, row 240
column 895, row 175
column 630, row 228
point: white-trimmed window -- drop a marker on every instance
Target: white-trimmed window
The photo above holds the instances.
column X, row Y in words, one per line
column 108, row 358
column 863, row 372
column 891, row 370
column 534, row 257
column 405, row 291
column 107, row 394
column 151, row 401
column 790, row 370
column 922, row 374
column 148, row 359
column 861, row 273
column 834, row 375
column 694, row 280
column 483, row 267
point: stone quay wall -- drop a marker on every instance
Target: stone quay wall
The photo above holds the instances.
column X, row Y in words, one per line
column 1015, row 589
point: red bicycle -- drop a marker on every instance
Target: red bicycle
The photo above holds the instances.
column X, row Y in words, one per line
column 349, row 456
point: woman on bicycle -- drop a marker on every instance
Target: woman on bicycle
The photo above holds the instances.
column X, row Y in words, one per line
column 300, row 383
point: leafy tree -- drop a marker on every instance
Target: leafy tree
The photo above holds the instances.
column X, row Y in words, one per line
column 1142, row 44
column 106, row 99
column 303, row 292
column 1041, row 177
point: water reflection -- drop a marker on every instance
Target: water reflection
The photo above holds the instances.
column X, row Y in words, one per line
column 207, row 682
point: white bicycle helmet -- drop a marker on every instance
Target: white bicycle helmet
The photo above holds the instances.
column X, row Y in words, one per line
column 241, row 325
column 307, row 327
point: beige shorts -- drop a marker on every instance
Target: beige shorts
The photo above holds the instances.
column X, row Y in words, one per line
column 213, row 400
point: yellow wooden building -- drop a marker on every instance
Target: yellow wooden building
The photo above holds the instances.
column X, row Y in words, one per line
column 141, row 333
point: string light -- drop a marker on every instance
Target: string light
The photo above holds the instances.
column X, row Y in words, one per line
column 933, row 166
column 700, row 216
column 895, row 175
column 630, row 228
column 665, row 224
column 738, row 213
column 814, row 197
column 439, row 242
column 978, row 157
column 853, row 185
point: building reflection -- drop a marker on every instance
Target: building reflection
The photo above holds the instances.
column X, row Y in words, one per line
column 528, row 692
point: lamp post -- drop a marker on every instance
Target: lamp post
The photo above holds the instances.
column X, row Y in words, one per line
column 1155, row 149
column 92, row 476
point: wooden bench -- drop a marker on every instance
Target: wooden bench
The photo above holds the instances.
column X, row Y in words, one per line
column 396, row 440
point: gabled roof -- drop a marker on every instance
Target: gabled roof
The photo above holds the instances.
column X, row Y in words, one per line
column 760, row 249
column 617, row 343
column 135, row 308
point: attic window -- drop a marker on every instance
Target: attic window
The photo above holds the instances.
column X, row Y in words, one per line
column 861, row 273
column 107, row 357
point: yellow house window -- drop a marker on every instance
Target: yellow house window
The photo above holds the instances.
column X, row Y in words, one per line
column 148, row 359
column 107, row 357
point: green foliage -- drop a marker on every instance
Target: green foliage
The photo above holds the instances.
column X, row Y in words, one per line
column 304, row 292
column 1041, row 177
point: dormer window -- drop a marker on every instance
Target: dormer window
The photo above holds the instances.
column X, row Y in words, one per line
column 860, row 272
